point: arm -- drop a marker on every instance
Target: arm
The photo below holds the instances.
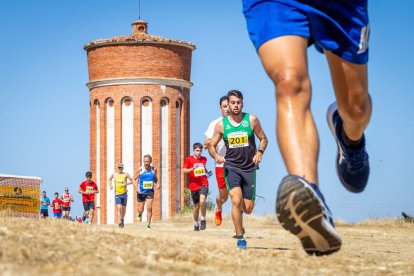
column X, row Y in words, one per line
column 185, row 169
column 209, row 134
column 95, row 190
column 81, row 191
column 137, row 179
column 257, row 128
column 207, row 142
column 110, row 181
column 130, row 179
column 157, row 184
column 217, row 136
column 138, row 172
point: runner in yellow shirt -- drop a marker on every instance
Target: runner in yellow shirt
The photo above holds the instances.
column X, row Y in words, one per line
column 121, row 192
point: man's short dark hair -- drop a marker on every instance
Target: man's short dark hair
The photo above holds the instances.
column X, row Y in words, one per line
column 235, row 93
column 222, row 99
column 88, row 174
column 197, row 146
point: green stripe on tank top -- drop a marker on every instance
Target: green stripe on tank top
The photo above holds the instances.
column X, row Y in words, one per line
column 225, row 179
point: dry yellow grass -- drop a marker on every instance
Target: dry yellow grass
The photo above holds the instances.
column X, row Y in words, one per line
column 34, row 247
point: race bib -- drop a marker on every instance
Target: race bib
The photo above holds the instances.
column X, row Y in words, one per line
column 147, row 184
column 89, row 189
column 200, row 171
column 238, row 140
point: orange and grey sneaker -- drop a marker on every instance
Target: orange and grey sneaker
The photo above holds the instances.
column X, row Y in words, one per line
column 217, row 218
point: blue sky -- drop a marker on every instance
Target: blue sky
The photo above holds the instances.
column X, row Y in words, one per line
column 44, row 116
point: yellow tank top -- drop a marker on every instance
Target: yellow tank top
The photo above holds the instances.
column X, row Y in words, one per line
column 120, row 183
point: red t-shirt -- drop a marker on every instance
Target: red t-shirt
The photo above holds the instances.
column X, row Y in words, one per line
column 88, row 187
column 198, row 177
column 57, row 205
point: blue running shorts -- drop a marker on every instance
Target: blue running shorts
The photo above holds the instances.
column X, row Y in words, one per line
column 340, row 26
column 121, row 199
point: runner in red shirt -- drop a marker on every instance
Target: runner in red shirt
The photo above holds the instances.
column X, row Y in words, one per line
column 195, row 166
column 88, row 189
column 67, row 198
column 57, row 207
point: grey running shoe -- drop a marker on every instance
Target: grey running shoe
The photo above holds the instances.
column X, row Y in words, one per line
column 352, row 163
column 235, row 235
column 301, row 209
column 203, row 225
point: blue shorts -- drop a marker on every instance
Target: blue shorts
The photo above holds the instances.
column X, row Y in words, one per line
column 57, row 215
column 340, row 26
column 121, row 199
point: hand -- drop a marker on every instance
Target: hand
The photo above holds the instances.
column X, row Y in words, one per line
column 220, row 160
column 110, row 187
column 257, row 158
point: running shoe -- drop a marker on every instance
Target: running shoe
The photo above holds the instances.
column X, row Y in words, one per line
column 301, row 209
column 352, row 164
column 87, row 220
column 196, row 228
column 235, row 235
column 241, row 243
column 148, row 227
column 139, row 217
column 203, row 225
column 218, row 218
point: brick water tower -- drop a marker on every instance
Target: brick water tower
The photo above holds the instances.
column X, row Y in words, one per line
column 139, row 104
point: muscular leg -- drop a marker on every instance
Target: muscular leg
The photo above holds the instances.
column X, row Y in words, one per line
column 119, row 209
column 221, row 198
column 236, row 210
column 350, row 82
column 141, row 207
column 285, row 61
column 123, row 211
column 248, row 206
column 149, row 201
column 203, row 206
column 196, row 211
column 91, row 214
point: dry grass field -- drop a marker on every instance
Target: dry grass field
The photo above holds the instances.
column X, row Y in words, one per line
column 51, row 247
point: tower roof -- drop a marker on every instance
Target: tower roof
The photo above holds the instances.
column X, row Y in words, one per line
column 139, row 36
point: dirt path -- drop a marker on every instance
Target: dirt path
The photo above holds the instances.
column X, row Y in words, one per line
column 33, row 247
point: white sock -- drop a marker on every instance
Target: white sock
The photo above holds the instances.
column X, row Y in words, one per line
column 203, row 218
column 195, row 223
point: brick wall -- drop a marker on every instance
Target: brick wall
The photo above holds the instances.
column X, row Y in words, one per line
column 146, row 60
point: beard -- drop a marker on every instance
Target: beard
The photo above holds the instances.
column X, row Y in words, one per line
column 235, row 112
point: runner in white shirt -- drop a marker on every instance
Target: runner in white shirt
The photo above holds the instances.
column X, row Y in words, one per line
column 221, row 150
